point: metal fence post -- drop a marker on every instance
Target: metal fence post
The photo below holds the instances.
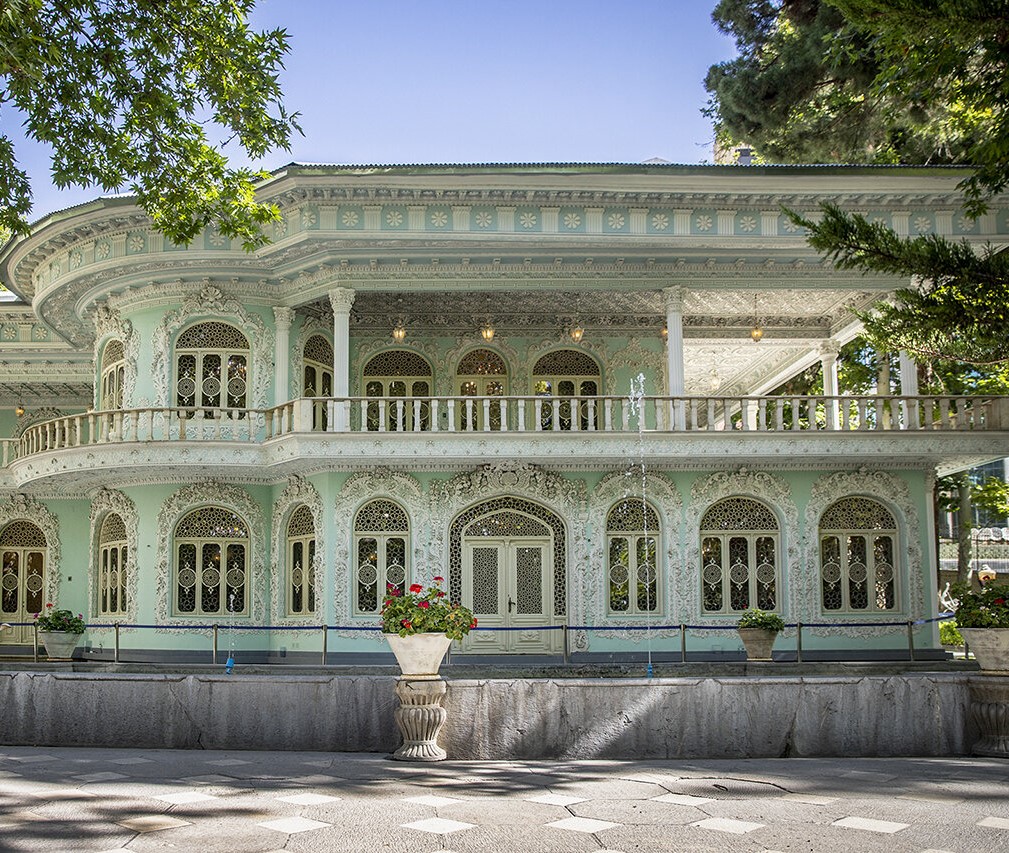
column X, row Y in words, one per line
column 215, row 644
column 683, row 643
column 798, row 642
column 567, row 651
column 35, row 642
column 325, row 642
column 115, row 656
column 910, row 639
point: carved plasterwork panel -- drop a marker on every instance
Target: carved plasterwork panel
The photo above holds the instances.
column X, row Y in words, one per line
column 211, row 303
column 589, row 588
column 565, row 498
column 770, row 490
column 109, row 324
column 104, row 502
column 362, row 353
column 633, row 356
column 311, row 326
column 894, row 494
column 297, row 492
column 19, row 506
column 183, row 501
column 358, row 490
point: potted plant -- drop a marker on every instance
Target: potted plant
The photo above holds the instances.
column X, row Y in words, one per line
column 420, row 624
column 60, row 631
column 758, row 629
column 983, row 618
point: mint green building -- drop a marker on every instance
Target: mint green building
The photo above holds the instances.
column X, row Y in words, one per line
column 547, row 384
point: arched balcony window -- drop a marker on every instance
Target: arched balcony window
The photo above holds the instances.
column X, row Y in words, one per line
column 212, row 367
column 739, row 556
column 211, row 548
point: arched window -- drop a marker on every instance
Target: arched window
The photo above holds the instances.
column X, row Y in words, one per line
column 301, row 563
column 317, row 370
column 112, row 556
column 211, row 366
column 481, row 373
column 739, row 556
column 381, row 543
column 632, row 535
column 858, row 569
column 567, row 373
column 397, row 376
column 110, row 394
column 211, row 547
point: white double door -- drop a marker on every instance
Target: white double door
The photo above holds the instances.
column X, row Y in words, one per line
column 508, row 583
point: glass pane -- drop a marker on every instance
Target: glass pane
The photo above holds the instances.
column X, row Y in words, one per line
column 485, row 582
column 647, row 578
column 235, row 578
column 858, row 588
column 711, row 573
column 882, row 548
column 210, row 578
column 367, row 575
column 34, row 582
column 529, row 581
column 185, row 586
column 766, row 574
column 619, row 574
column 830, row 572
column 297, row 577
column 210, row 381
column 739, row 573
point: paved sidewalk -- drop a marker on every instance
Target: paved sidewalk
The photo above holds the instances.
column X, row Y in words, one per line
column 54, row 799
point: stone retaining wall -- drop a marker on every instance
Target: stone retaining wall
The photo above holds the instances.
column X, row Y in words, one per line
column 901, row 715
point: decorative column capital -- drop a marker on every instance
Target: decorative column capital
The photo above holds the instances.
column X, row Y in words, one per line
column 282, row 315
column 674, row 298
column 828, row 350
column 342, row 299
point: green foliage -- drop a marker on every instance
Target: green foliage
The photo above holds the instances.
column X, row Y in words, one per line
column 959, row 308
column 420, row 611
column 949, row 635
column 757, row 618
column 992, row 494
column 52, row 619
column 128, row 93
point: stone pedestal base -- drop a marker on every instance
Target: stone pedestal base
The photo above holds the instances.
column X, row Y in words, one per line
column 420, row 718
column 989, row 707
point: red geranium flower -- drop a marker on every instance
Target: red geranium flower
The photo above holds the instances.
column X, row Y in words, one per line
column 50, row 604
column 441, row 594
column 472, row 624
column 999, row 601
column 438, row 578
column 423, row 604
column 406, row 623
column 416, row 587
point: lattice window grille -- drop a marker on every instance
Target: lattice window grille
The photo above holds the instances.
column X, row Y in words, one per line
column 524, row 507
column 399, row 363
column 632, row 528
column 381, row 534
column 858, row 571
column 112, row 566
column 319, row 350
column 22, row 576
column 211, row 546
column 317, row 373
column 481, row 362
column 507, row 524
column 212, row 367
column 301, row 562
column 566, row 362
column 739, row 557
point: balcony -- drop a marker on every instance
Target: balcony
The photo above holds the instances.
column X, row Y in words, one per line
column 565, row 432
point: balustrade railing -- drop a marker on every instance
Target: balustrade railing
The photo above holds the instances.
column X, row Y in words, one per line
column 515, row 414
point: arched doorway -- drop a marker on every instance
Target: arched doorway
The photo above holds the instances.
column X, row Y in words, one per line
column 507, row 563
column 22, row 578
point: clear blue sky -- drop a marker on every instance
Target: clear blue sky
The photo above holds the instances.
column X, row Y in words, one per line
column 451, row 81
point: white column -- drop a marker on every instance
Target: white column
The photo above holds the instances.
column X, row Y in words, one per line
column 674, row 353
column 281, row 358
column 341, row 298
column 674, row 340
column 828, row 364
column 908, row 375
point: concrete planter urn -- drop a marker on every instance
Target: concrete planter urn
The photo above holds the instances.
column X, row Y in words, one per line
column 419, row 655
column 991, row 648
column 59, row 645
column 758, row 642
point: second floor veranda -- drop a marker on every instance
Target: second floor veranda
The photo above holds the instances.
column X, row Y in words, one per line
column 597, row 432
